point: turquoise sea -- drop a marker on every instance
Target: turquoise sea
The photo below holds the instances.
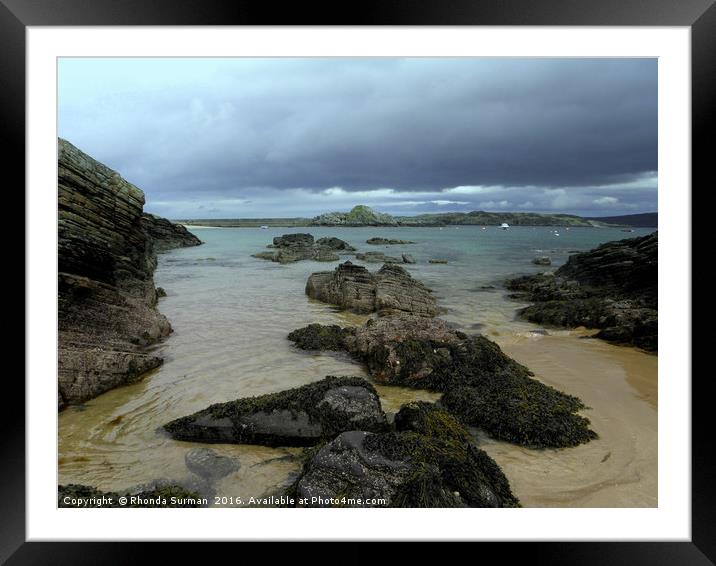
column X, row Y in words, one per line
column 231, row 314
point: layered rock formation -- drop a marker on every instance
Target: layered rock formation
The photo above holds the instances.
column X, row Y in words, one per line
column 106, row 296
column 296, row 417
column 612, row 288
column 354, row 288
column 296, row 247
column 482, row 386
column 430, row 460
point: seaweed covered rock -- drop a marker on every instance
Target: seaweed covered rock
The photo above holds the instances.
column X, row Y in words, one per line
column 321, row 337
column 160, row 494
column 483, row 386
column 390, row 289
column 612, row 288
column 430, row 461
column 290, row 248
column 302, row 416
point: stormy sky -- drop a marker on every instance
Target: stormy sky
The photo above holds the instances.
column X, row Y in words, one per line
column 222, row 138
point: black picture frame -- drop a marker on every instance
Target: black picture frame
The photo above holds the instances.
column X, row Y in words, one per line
column 699, row 15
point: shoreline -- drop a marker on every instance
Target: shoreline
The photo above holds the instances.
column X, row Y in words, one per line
column 619, row 384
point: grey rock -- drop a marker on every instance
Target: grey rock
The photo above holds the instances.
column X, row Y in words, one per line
column 354, row 288
column 296, row 417
column 208, row 464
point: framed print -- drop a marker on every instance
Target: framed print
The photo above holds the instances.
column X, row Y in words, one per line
column 400, row 274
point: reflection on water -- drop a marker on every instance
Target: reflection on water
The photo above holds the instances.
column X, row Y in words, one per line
column 231, row 314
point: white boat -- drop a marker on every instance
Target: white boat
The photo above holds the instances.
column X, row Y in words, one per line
column 264, row 227
column 504, row 226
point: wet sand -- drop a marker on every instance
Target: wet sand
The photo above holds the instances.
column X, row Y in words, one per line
column 619, row 384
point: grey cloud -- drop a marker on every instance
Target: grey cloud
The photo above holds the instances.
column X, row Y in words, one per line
column 246, row 128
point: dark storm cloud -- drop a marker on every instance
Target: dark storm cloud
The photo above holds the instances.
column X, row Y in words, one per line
column 217, row 130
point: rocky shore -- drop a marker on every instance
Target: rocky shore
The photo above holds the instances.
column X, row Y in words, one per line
column 107, row 248
column 424, row 458
column 482, row 386
column 612, row 288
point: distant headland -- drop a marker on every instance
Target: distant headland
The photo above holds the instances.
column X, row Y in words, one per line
column 362, row 215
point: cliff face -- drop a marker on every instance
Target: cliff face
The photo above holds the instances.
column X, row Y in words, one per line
column 107, row 312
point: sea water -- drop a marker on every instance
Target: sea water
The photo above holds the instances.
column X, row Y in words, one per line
column 231, row 314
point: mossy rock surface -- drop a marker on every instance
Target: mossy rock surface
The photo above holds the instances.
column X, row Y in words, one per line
column 320, row 337
column 429, row 461
column 483, row 386
column 302, row 416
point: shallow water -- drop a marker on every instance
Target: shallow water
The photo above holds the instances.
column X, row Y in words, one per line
column 231, row 314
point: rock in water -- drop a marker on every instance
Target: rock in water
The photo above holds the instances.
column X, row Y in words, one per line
column 482, row 386
column 542, row 260
column 206, row 463
column 390, row 289
column 431, row 461
column 297, row 417
column 290, row 248
column 407, row 258
column 334, row 244
column 106, row 260
column 612, row 288
column 377, row 257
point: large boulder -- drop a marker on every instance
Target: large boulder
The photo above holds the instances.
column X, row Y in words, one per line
column 391, row 289
column 612, row 288
column 483, row 386
column 302, row 416
column 430, row 461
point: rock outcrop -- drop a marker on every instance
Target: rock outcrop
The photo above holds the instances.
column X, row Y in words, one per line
column 166, row 235
column 612, row 288
column 297, row 417
column 290, row 248
column 481, row 385
column 430, row 460
column 354, row 288
column 359, row 215
column 106, row 297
